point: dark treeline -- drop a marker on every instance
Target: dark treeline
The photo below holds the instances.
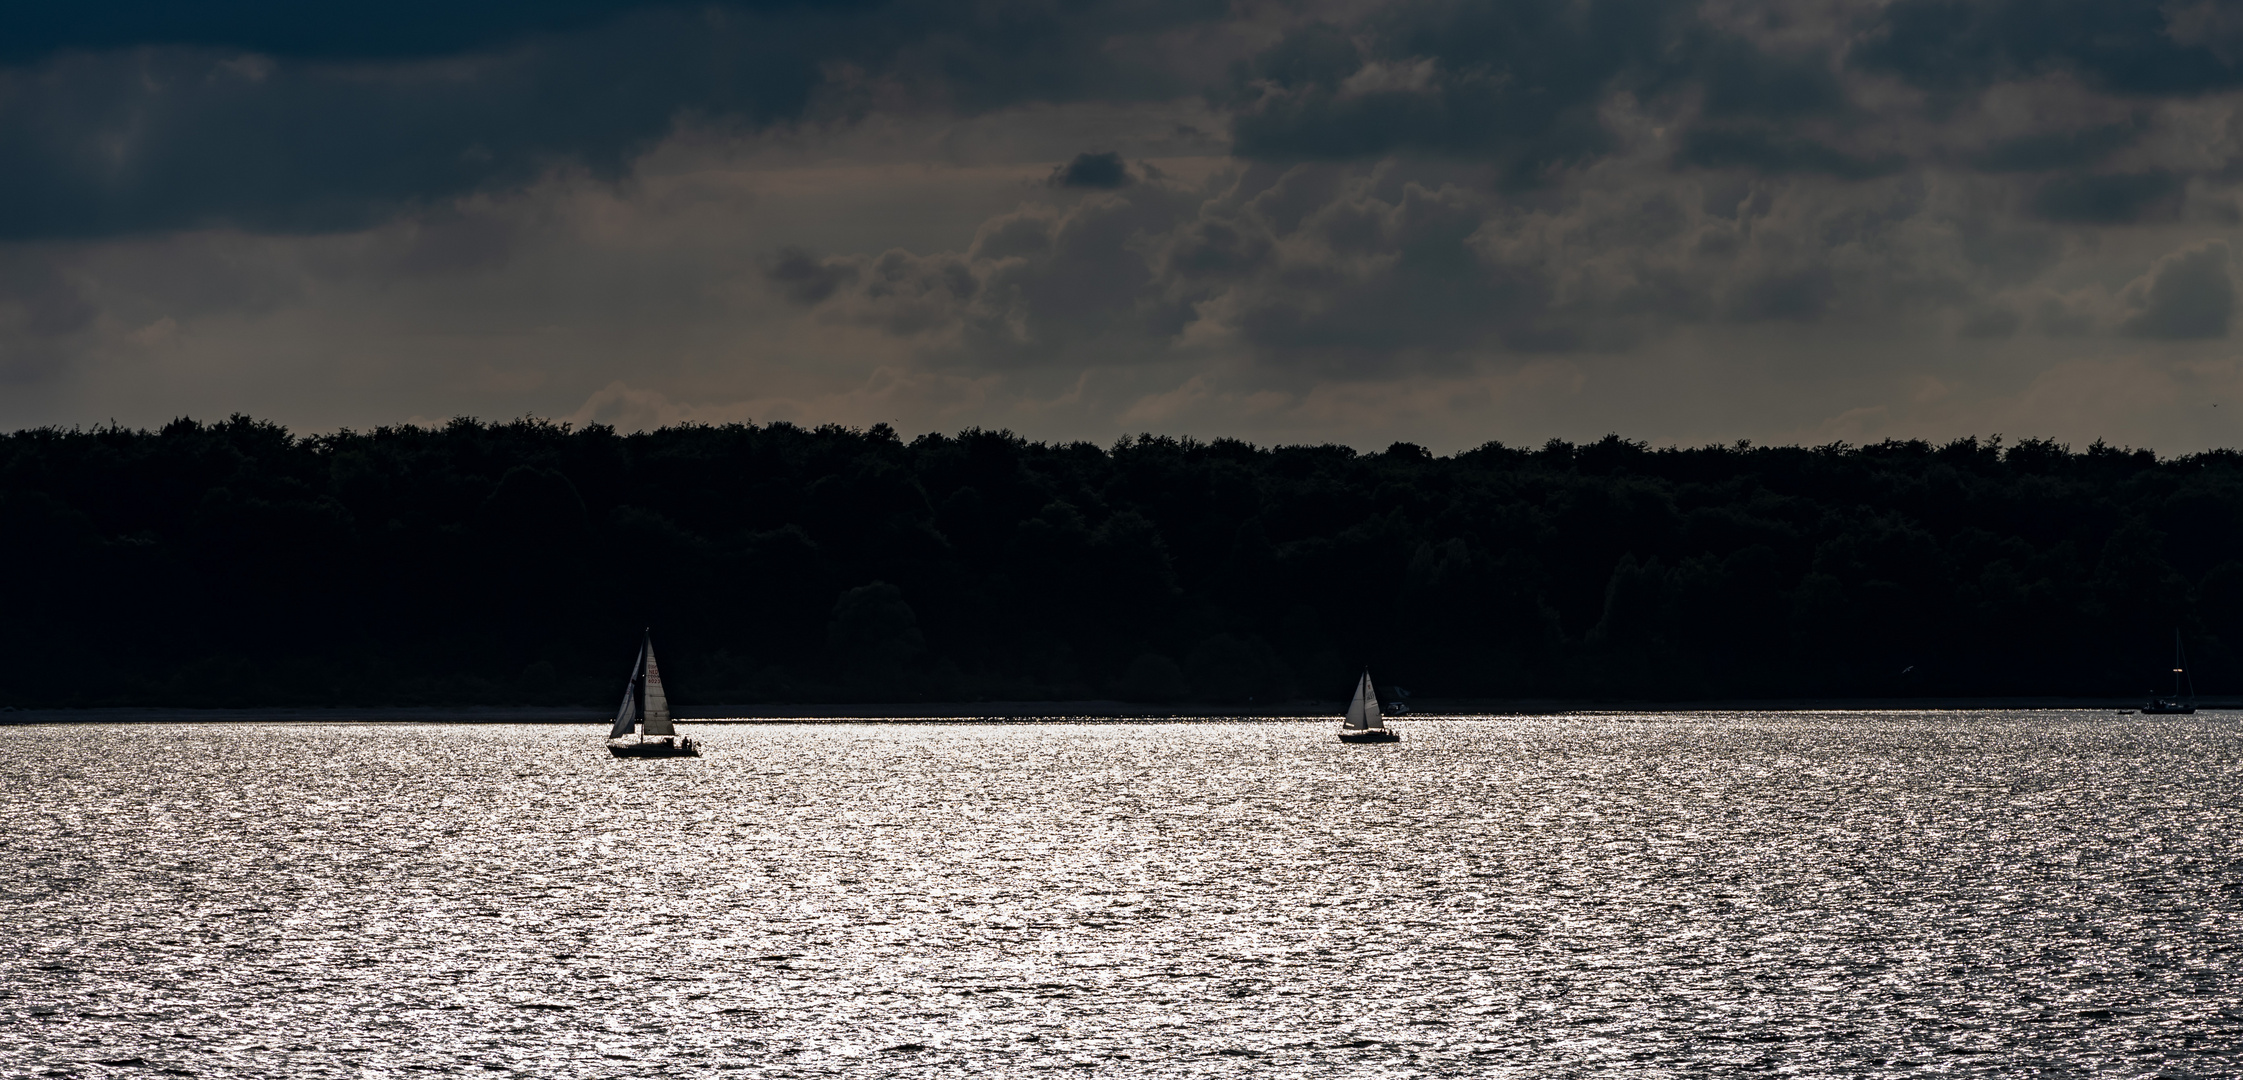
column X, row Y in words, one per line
column 235, row 564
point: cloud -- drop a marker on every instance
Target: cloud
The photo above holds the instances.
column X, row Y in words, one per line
column 129, row 118
column 1317, row 54
column 2108, row 199
column 805, row 280
column 1378, row 220
column 1743, row 80
column 2126, row 46
column 44, row 316
column 99, row 144
column 1793, row 295
column 1515, row 84
column 2064, row 148
column 34, row 29
column 1326, row 270
column 1092, row 171
column 1367, row 277
column 2211, row 25
column 1767, row 151
column 1990, row 321
column 2190, row 295
column 132, row 118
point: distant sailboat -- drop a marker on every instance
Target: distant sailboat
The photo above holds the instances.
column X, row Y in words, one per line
column 647, row 708
column 2176, row 705
column 1363, row 723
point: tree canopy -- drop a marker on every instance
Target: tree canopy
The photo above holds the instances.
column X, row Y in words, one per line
column 233, row 563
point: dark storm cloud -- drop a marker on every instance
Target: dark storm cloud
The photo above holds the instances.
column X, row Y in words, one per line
column 2191, row 295
column 1092, row 171
column 94, row 144
column 1742, row 80
column 1431, row 190
column 2007, row 254
column 1091, row 282
column 1217, row 250
column 1329, row 270
column 295, row 118
column 1520, row 84
column 1316, row 55
column 1793, row 296
column 2215, row 25
column 1808, row 205
column 130, row 117
column 2126, row 46
column 1513, row 83
column 805, row 280
column 981, row 56
column 32, row 29
column 2108, row 199
column 1764, row 150
column 1036, row 287
column 1427, row 289
column 2045, row 150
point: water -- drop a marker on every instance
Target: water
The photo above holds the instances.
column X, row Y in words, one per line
column 1840, row 894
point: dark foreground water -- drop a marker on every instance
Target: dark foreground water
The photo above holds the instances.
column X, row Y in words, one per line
column 1837, row 894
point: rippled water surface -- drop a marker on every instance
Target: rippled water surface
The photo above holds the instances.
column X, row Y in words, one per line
column 1818, row 894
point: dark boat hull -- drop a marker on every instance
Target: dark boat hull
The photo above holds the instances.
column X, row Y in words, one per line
column 2163, row 708
column 657, row 749
column 1371, row 735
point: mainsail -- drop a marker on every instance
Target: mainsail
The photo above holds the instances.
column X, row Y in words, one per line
column 655, row 706
column 1363, row 711
column 645, row 706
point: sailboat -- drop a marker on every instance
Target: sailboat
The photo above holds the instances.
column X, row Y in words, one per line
column 647, row 708
column 1363, row 724
column 2176, row 705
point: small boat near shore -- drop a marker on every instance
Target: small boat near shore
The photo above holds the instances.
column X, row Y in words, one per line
column 1362, row 724
column 646, row 709
column 2175, row 705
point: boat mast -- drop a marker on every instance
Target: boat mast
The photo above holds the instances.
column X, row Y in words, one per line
column 638, row 680
column 2180, row 666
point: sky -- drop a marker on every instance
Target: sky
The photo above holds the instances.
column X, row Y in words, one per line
column 1433, row 221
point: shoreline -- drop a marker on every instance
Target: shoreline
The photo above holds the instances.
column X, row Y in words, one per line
column 1000, row 711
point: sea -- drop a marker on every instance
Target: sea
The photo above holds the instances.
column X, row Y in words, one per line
column 2046, row 894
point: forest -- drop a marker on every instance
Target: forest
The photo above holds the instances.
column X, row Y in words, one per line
column 235, row 564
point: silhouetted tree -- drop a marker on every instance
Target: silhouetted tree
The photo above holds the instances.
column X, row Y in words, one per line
column 873, row 633
column 1151, row 677
column 235, row 563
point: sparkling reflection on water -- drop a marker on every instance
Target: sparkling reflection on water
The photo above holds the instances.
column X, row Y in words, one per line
column 1818, row 894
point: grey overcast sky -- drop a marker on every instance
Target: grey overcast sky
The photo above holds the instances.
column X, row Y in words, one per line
column 1437, row 221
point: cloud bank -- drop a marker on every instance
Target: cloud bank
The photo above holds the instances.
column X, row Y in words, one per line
column 1439, row 222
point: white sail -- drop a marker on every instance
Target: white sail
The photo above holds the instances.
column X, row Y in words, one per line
column 657, row 721
column 1363, row 711
column 628, row 716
